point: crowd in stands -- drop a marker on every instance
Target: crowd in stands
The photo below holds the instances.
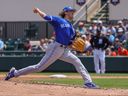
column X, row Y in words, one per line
column 117, row 35
column 25, row 45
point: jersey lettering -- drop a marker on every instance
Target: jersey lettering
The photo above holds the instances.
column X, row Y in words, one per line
column 64, row 25
column 100, row 41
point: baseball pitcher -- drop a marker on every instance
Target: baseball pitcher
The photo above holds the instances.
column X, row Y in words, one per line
column 59, row 49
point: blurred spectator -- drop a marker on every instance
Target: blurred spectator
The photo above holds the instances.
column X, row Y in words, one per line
column 108, row 52
column 121, row 35
column 110, row 37
column 112, row 29
column 1, row 45
column 46, row 41
column 120, row 25
column 88, row 36
column 88, row 48
column 116, row 44
column 78, row 34
column 27, row 46
column 126, row 35
column 10, row 45
column 122, row 51
column 101, row 27
column 93, row 28
column 83, row 37
column 125, row 23
column 113, row 52
column 19, row 44
column 81, row 28
column 50, row 41
column 126, row 44
column 35, row 45
column 43, row 44
column 53, row 38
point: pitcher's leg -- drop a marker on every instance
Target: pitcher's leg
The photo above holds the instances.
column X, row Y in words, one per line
column 47, row 60
column 71, row 58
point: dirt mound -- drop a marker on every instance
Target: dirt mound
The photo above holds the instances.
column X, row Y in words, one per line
column 14, row 88
column 8, row 88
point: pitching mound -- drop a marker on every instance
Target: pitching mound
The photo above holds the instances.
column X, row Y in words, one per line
column 12, row 88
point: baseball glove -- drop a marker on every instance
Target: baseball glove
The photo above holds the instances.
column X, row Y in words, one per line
column 78, row 45
column 81, row 45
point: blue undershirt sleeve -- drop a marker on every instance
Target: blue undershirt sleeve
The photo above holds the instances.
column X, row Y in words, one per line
column 48, row 18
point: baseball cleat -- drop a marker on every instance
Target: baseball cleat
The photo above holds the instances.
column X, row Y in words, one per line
column 91, row 85
column 10, row 74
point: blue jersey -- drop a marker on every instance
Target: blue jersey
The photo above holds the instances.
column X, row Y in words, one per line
column 63, row 29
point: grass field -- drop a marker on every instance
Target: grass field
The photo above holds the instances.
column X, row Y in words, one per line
column 117, row 80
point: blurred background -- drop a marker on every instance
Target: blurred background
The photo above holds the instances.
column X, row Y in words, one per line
column 24, row 35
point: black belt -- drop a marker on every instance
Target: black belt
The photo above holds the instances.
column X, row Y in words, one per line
column 63, row 46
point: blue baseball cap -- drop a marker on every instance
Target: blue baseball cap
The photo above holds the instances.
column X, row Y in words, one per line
column 68, row 8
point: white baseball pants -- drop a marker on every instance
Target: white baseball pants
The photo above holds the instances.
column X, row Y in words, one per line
column 54, row 52
column 99, row 58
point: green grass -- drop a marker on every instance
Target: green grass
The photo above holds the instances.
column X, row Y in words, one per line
column 112, row 83
column 102, row 82
column 110, row 74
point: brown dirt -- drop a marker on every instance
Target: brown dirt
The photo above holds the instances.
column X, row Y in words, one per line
column 14, row 88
